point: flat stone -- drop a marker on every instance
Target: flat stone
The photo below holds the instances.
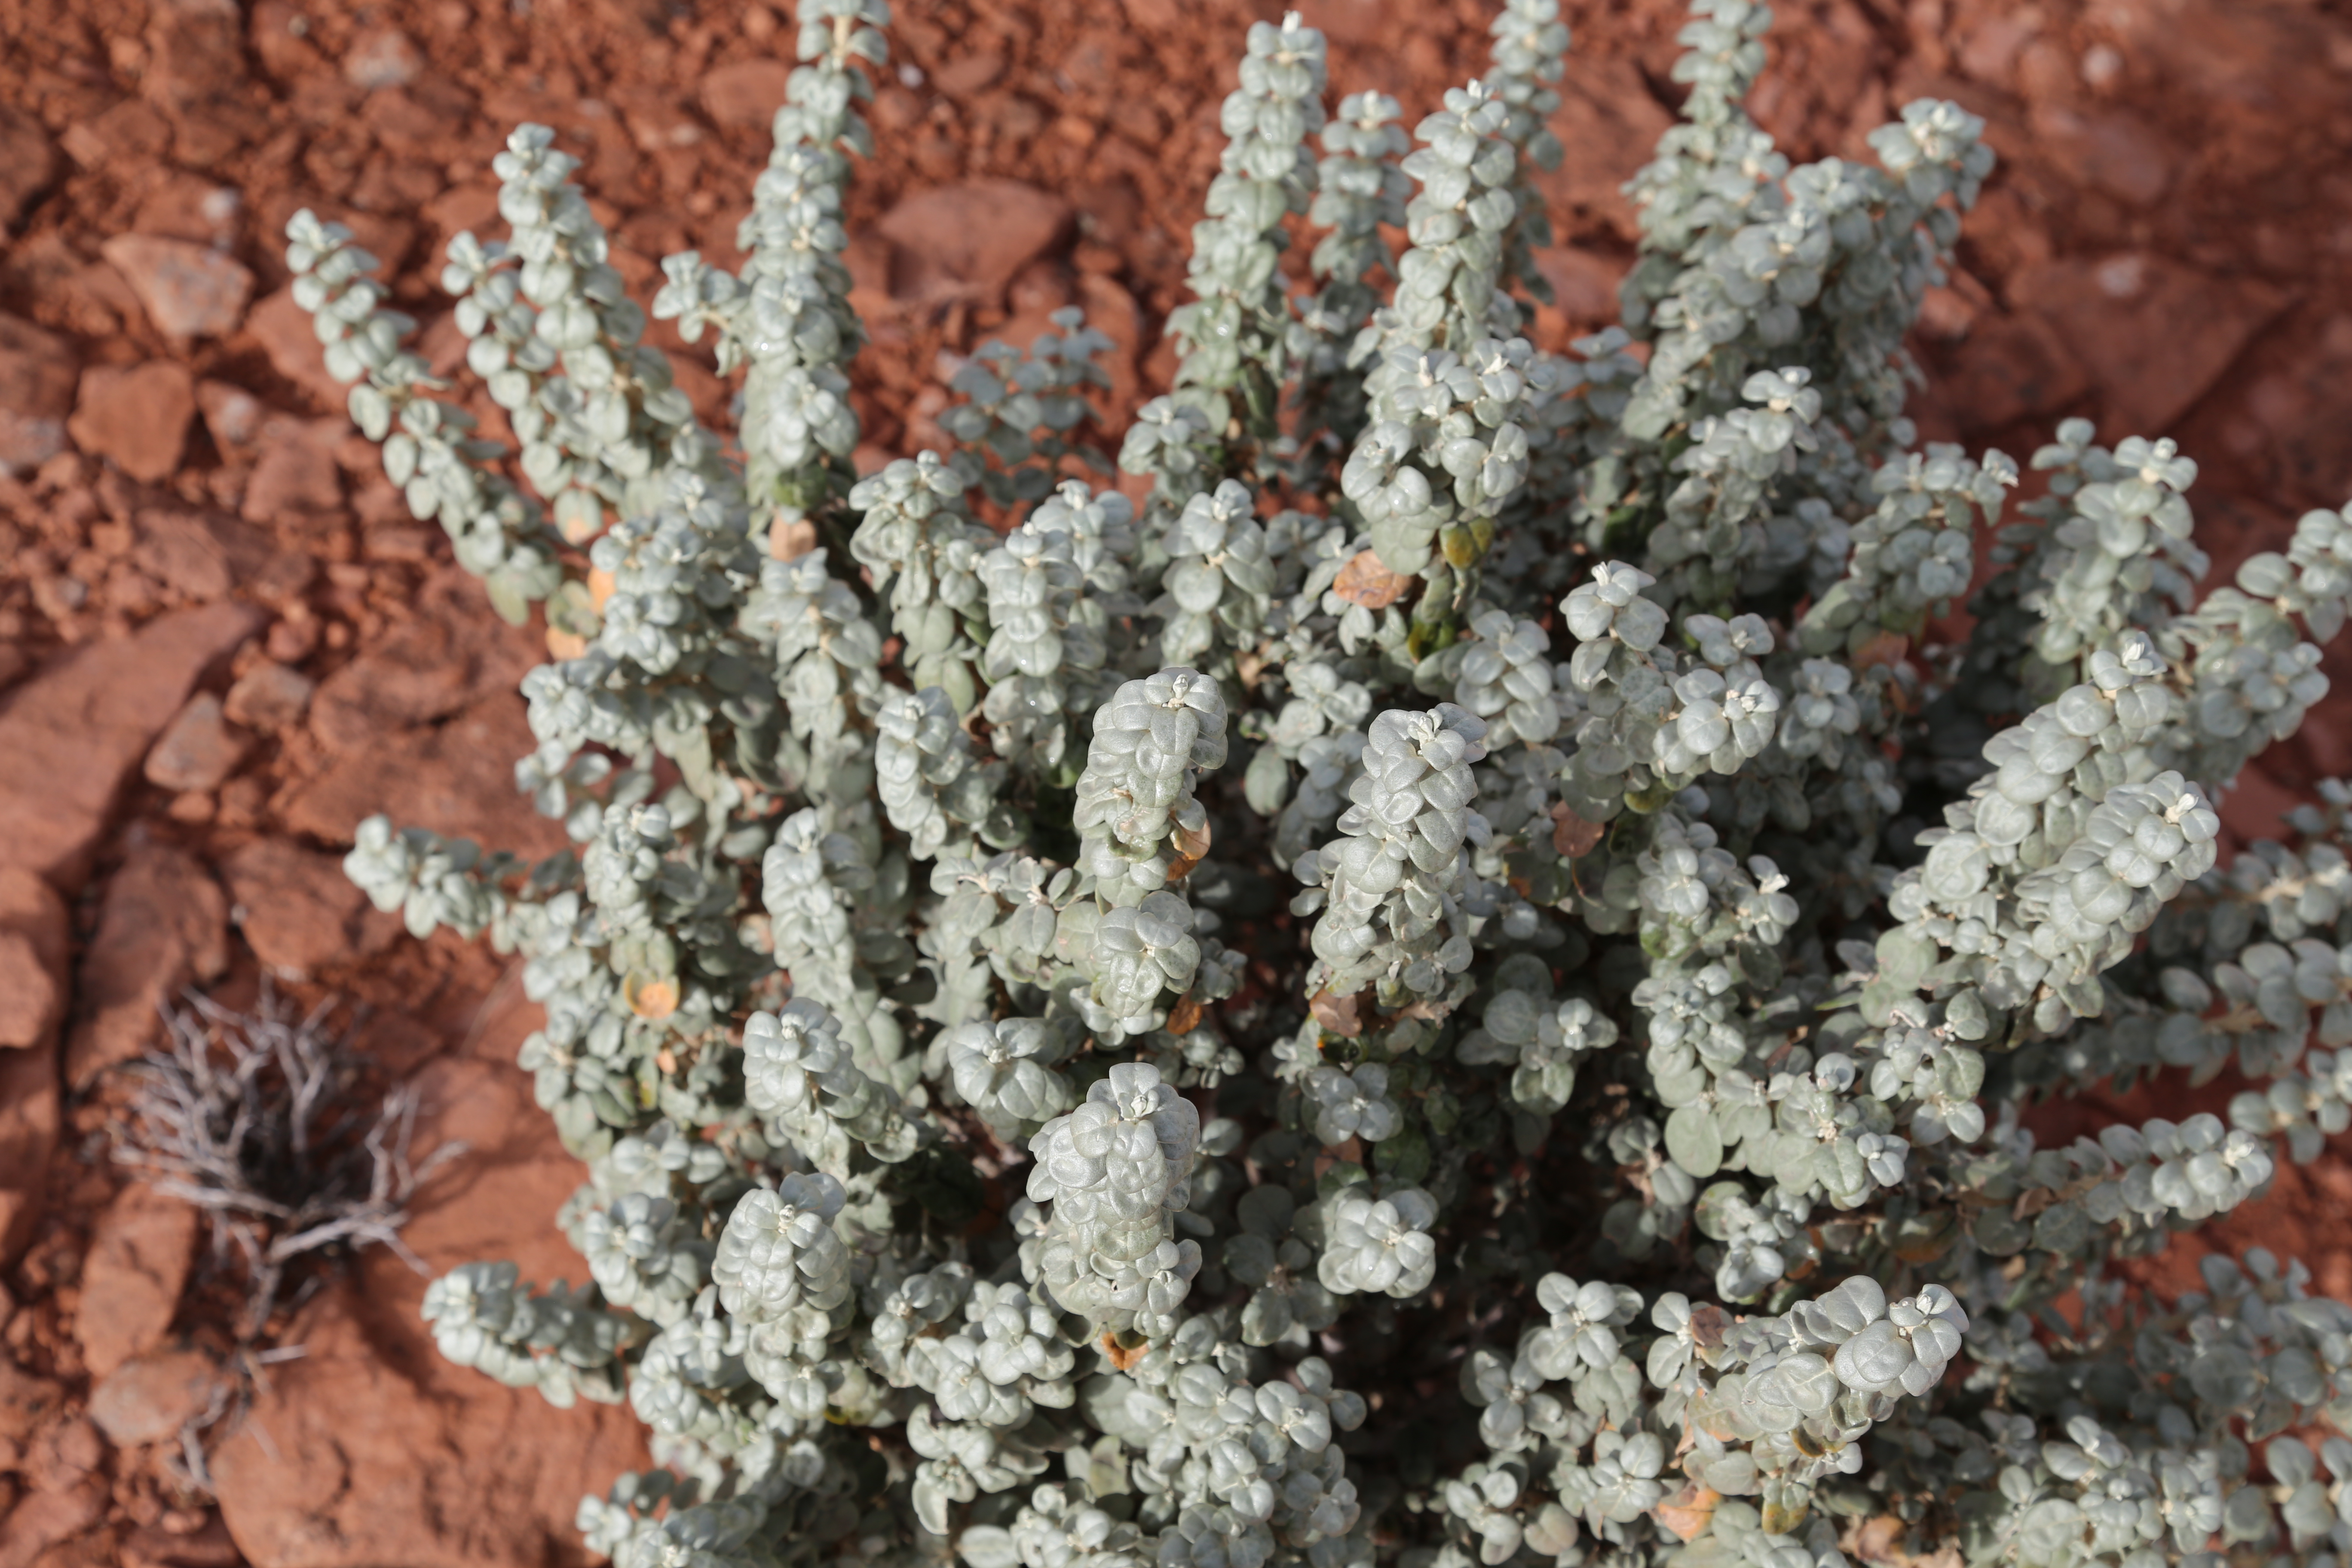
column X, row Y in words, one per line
column 455, row 778
column 453, row 653
column 747, row 93
column 297, row 911
column 197, row 749
column 31, row 1000
column 971, row 239
column 149, row 1397
column 2113, row 149
column 164, row 923
column 197, row 556
column 131, row 1280
column 269, row 697
column 28, row 163
column 131, row 132
column 232, row 415
column 2008, row 368
column 37, row 376
column 186, row 208
column 136, row 419
column 283, row 330
column 2154, row 334
column 296, row 476
column 382, row 58
column 190, row 291
column 71, row 735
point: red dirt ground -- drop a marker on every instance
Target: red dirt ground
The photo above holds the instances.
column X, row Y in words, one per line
column 2167, row 245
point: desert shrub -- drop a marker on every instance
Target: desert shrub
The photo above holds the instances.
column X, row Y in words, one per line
column 1457, row 980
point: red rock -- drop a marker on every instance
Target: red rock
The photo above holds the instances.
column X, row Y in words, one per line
column 28, row 163
column 1608, row 116
column 138, row 417
column 455, row 778
column 2154, row 334
column 71, row 735
column 2115, row 150
column 190, row 291
column 1583, row 286
column 185, row 207
column 195, row 50
column 232, row 415
column 453, row 653
column 131, row 1280
column 965, row 75
column 129, row 132
column 38, row 375
column 39, row 937
column 969, row 240
column 30, row 1116
column 197, row 749
column 195, row 556
column 449, row 1465
column 283, row 330
column 24, row 1402
column 209, row 1547
column 382, row 58
column 747, row 93
column 31, row 1000
column 297, row 911
column 269, row 697
column 2006, row 369
column 163, row 924
column 297, row 474
column 1112, row 312
column 1990, row 54
column 57, row 1511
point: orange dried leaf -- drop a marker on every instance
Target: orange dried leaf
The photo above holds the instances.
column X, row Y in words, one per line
column 601, row 586
column 1338, row 1013
column 1688, row 1512
column 1123, row 1356
column 1185, row 1016
column 650, row 999
column 1571, row 833
column 1364, row 581
column 791, row 541
column 562, row 643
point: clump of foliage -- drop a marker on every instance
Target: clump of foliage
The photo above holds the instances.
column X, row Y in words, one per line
column 1454, row 982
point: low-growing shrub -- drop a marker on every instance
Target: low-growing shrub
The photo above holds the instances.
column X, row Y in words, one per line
column 1458, row 979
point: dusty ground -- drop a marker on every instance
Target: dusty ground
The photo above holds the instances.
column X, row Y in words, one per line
column 223, row 641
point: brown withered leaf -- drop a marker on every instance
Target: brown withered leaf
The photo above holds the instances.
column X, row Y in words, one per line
column 1364, row 581
column 1185, row 1016
column 1886, row 648
column 1339, row 1014
column 1190, row 848
column 1884, row 1541
column 1709, row 1324
column 1688, row 1512
column 1123, row 1356
column 1571, row 833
